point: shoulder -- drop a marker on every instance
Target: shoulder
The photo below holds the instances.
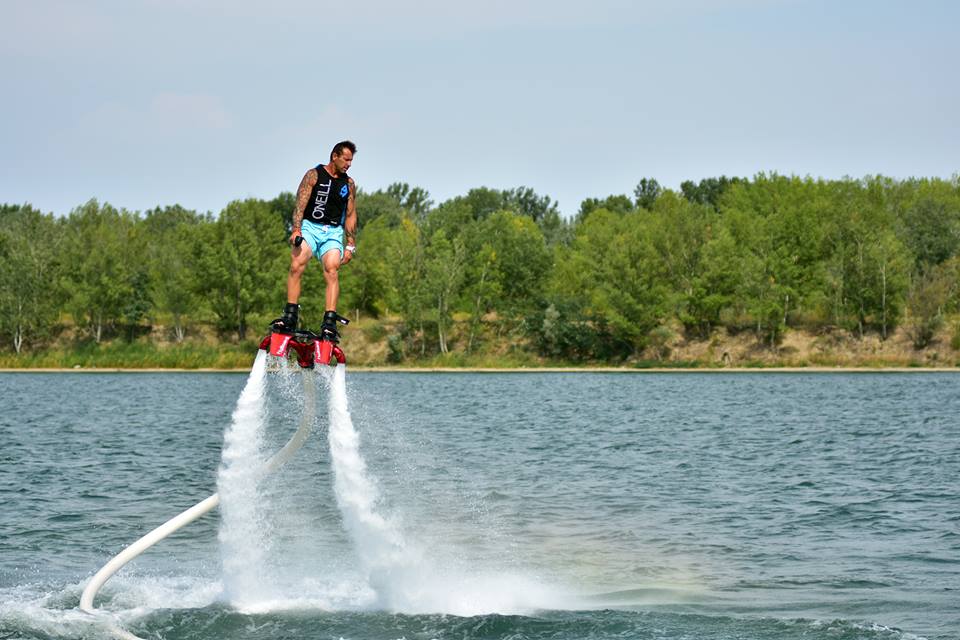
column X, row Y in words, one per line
column 308, row 182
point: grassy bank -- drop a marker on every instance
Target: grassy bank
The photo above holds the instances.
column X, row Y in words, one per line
column 138, row 355
column 370, row 342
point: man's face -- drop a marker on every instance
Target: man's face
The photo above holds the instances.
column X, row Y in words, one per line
column 343, row 161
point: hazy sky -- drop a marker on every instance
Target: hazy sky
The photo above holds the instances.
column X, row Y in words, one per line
column 152, row 102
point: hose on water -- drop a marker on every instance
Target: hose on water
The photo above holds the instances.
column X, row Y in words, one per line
column 177, row 522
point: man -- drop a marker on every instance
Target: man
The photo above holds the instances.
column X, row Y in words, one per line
column 326, row 211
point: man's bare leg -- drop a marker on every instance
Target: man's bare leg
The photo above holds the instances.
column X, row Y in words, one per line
column 299, row 257
column 331, row 273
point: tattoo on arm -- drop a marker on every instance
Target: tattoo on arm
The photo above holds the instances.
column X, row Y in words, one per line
column 303, row 194
column 350, row 226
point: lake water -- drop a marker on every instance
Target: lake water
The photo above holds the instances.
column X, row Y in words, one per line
column 538, row 505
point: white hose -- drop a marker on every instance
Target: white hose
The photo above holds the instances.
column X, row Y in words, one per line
column 197, row 510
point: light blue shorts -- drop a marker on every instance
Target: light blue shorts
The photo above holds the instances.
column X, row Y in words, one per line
column 322, row 238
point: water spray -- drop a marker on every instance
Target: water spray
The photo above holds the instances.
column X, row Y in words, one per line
column 251, row 396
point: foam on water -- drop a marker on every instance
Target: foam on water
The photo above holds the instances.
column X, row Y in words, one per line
column 37, row 611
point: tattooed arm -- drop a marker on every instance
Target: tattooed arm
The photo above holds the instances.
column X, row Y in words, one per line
column 303, row 194
column 350, row 224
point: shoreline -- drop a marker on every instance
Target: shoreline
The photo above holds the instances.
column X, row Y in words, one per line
column 364, row 369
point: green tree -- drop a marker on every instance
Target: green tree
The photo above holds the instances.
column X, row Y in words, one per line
column 541, row 209
column 708, row 191
column 29, row 292
column 283, row 206
column 364, row 282
column 522, row 260
column 761, row 295
column 172, row 247
column 609, row 278
column 393, row 203
column 444, row 261
column 928, row 301
column 888, row 268
column 483, row 202
column 375, row 206
column 242, row 264
column 679, row 231
column 452, row 216
column 929, row 216
column 614, row 204
column 646, row 192
column 414, row 200
column 507, row 268
column 483, row 288
column 868, row 264
column 716, row 288
column 780, row 225
column 103, row 270
column 403, row 252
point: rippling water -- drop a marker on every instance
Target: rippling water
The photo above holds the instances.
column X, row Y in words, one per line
column 535, row 506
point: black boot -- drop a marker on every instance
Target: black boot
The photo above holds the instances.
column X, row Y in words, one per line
column 328, row 330
column 287, row 323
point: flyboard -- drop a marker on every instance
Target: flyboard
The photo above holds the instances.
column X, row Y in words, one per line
column 310, row 348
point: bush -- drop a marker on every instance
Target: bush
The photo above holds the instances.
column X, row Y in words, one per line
column 375, row 332
column 659, row 340
column 395, row 350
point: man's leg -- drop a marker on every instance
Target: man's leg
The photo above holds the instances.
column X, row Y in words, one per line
column 331, row 273
column 299, row 257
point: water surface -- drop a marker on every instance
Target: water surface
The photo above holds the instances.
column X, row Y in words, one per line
column 546, row 505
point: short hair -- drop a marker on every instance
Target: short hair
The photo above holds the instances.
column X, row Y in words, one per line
column 340, row 146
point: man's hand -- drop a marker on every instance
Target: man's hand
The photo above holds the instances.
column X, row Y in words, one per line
column 347, row 254
column 293, row 237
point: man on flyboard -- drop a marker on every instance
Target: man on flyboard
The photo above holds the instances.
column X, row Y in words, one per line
column 325, row 216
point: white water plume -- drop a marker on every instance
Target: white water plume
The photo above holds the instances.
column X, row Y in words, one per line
column 244, row 536
column 403, row 575
column 398, row 572
column 378, row 542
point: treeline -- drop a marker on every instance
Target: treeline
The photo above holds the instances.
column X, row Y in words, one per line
column 624, row 274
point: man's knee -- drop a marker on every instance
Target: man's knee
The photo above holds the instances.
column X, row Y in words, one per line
column 297, row 268
column 331, row 263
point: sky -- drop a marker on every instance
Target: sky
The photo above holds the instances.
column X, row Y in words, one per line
column 144, row 103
